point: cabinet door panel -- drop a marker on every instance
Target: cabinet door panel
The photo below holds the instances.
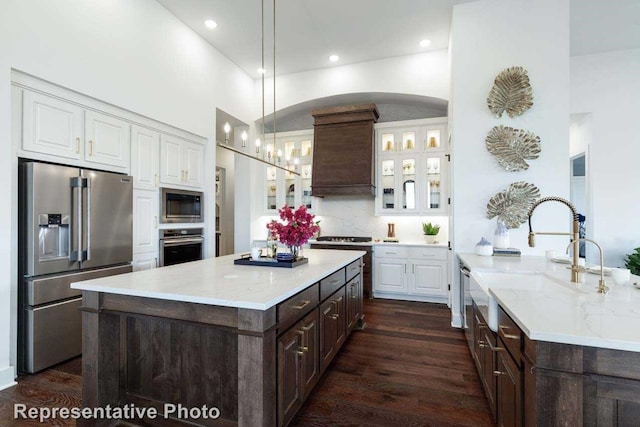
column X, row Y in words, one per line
column 289, row 371
column 390, row 275
column 353, row 302
column 145, row 261
column 107, row 140
column 428, row 278
column 51, row 126
column 311, row 358
column 171, row 171
column 509, row 395
column 489, row 366
column 145, row 221
column 328, row 334
column 145, row 151
column 340, row 316
column 193, row 161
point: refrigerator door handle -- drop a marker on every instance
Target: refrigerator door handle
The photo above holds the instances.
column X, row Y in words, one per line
column 75, row 241
column 87, row 234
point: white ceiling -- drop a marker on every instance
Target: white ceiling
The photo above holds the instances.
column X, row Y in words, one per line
column 308, row 31
column 604, row 25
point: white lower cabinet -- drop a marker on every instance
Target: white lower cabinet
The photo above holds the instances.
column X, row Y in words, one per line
column 145, row 229
column 145, row 261
column 416, row 273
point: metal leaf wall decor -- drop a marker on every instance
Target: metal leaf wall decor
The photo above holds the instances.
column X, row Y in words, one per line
column 512, row 205
column 511, row 147
column 511, row 92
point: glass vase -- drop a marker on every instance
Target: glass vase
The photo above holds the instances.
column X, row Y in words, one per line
column 295, row 251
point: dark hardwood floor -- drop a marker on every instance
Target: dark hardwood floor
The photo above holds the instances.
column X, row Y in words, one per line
column 408, row 367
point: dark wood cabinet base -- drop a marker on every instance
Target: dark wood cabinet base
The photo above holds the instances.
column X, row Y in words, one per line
column 255, row 367
column 543, row 384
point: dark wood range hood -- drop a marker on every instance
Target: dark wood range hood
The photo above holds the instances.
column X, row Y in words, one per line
column 344, row 155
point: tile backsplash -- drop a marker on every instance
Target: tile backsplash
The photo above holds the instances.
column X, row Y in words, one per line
column 356, row 217
column 349, row 216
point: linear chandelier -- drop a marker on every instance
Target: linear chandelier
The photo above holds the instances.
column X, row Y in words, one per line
column 273, row 159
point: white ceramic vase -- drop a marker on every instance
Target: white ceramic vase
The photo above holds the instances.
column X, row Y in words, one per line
column 430, row 239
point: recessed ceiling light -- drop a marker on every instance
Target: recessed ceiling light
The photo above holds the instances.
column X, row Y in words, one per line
column 425, row 43
column 211, row 24
column 261, row 71
column 334, row 58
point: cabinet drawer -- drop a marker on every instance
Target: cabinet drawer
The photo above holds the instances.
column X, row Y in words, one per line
column 392, row 252
column 332, row 283
column 510, row 334
column 353, row 269
column 291, row 310
column 439, row 254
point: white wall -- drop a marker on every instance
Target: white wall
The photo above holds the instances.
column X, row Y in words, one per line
column 607, row 85
column 133, row 54
column 488, row 36
column 423, row 74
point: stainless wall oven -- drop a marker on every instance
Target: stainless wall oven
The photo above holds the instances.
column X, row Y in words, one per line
column 181, row 206
column 178, row 246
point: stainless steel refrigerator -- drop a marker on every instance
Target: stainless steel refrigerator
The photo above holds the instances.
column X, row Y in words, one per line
column 75, row 224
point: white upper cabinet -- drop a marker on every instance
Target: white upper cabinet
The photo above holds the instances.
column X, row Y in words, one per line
column 193, row 164
column 181, row 162
column 107, row 140
column 63, row 129
column 283, row 186
column 412, row 168
column 171, row 170
column 51, row 126
column 145, row 162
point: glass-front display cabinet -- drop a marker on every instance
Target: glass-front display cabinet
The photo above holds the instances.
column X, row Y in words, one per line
column 294, row 152
column 412, row 167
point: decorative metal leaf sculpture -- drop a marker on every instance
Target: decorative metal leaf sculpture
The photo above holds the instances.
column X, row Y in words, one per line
column 512, row 146
column 512, row 205
column 511, row 92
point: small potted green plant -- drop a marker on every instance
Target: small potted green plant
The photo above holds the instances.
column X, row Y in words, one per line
column 430, row 232
column 632, row 262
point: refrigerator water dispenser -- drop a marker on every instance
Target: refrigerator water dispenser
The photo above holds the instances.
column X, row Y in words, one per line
column 53, row 236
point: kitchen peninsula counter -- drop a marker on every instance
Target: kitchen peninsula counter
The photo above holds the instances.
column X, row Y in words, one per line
column 213, row 333
column 549, row 351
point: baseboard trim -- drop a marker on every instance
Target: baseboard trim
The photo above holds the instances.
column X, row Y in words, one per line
column 404, row 297
column 456, row 320
column 7, row 377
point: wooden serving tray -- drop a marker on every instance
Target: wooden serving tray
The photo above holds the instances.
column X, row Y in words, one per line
column 270, row 262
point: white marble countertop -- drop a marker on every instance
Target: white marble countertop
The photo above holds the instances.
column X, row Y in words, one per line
column 381, row 243
column 217, row 281
column 540, row 298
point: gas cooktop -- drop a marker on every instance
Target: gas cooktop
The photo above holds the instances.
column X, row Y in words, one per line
column 343, row 239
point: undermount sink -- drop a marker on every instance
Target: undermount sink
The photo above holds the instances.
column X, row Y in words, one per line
column 481, row 282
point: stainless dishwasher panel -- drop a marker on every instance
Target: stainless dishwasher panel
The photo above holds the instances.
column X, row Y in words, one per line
column 466, row 305
column 49, row 345
column 50, row 289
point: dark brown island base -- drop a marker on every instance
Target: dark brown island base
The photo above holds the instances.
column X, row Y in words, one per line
column 537, row 383
column 197, row 360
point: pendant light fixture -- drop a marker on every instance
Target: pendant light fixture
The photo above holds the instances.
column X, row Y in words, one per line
column 272, row 160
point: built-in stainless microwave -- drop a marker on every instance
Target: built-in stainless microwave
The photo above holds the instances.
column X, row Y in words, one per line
column 181, row 206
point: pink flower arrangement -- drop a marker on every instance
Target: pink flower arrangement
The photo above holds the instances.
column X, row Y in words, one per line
column 297, row 229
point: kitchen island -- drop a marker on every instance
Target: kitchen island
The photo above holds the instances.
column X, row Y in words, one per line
column 247, row 341
column 552, row 352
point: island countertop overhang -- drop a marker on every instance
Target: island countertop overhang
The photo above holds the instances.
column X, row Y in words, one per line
column 218, row 281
